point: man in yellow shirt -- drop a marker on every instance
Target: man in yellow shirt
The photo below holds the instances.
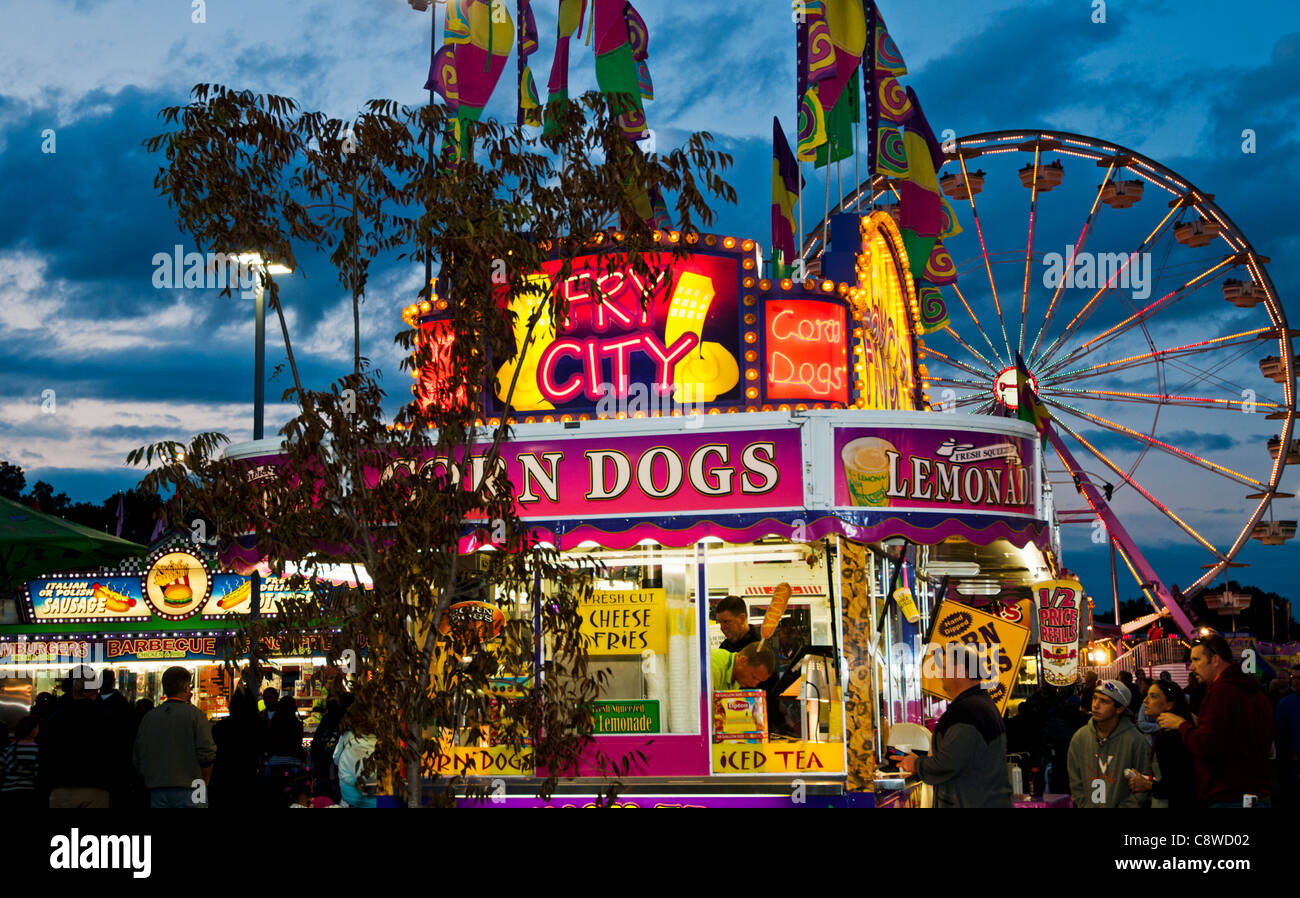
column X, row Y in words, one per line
column 744, row 669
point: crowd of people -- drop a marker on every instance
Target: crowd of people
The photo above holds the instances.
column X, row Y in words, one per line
column 1130, row 742
column 89, row 747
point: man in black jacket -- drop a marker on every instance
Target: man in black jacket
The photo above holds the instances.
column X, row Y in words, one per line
column 72, row 762
column 123, row 722
column 967, row 763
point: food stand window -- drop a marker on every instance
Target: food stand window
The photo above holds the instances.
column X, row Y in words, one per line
column 792, row 723
column 639, row 621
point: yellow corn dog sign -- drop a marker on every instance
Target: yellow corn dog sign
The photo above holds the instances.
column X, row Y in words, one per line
column 1001, row 645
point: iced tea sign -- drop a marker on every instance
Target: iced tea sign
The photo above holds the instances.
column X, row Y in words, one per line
column 1058, row 604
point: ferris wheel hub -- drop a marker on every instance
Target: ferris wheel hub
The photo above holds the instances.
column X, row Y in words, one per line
column 1006, row 390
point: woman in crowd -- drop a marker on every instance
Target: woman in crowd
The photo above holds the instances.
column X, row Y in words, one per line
column 350, row 755
column 1173, row 780
column 18, row 789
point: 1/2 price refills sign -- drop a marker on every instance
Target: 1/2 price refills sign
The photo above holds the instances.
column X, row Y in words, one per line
column 1001, row 645
column 625, row 621
column 1058, row 604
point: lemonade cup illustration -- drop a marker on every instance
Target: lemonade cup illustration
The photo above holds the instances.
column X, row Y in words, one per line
column 866, row 468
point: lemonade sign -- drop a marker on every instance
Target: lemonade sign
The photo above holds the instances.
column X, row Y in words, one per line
column 935, row 469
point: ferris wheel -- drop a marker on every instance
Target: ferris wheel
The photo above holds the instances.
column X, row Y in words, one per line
column 1149, row 324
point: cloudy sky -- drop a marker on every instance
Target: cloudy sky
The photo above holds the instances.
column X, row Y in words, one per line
column 129, row 363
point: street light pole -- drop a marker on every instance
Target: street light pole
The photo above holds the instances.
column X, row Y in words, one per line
column 259, row 417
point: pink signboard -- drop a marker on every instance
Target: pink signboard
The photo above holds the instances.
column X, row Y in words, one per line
column 934, row 470
column 663, row 474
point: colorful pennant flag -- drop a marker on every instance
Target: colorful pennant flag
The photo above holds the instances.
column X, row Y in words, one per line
column 846, row 21
column 888, row 60
column 951, row 226
column 1028, row 406
column 477, row 39
column 939, row 268
column 891, row 159
column 934, row 311
column 839, row 126
column 786, row 183
column 529, row 105
column 616, row 68
column 570, row 16
column 921, row 125
column 812, row 126
column 892, row 100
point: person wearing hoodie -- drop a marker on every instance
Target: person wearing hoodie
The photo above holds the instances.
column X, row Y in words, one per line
column 1104, row 748
column 1231, row 737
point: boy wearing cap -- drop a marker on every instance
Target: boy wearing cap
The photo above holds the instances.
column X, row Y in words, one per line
column 1104, row 748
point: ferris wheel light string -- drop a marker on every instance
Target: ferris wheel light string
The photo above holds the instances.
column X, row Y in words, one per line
column 1159, row 352
column 971, row 312
column 1196, row 459
column 1137, row 486
column 969, row 348
column 1142, row 312
column 1115, row 332
column 1069, row 328
column 1164, row 397
column 1029, row 250
column 979, row 229
column 1079, row 242
column 1142, row 586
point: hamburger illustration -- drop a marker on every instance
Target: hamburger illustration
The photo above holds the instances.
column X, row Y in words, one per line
column 173, row 580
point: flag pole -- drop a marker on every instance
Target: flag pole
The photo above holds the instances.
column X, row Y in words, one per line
column 873, row 114
column 801, row 84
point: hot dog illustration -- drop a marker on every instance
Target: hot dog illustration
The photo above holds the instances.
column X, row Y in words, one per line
column 113, row 600
column 236, row 596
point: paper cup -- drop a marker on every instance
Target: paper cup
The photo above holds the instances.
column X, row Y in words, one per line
column 866, row 468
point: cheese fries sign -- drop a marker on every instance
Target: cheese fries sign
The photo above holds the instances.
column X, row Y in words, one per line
column 177, row 583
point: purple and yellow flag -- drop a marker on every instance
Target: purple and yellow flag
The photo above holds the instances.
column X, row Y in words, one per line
column 477, row 39
column 1028, row 406
column 786, row 183
column 846, row 22
column 529, row 105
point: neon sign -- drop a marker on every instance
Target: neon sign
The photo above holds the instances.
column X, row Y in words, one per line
column 682, row 342
column 807, row 350
column 883, row 298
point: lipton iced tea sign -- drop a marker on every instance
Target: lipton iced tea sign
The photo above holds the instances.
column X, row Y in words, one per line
column 676, row 349
column 924, row 469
